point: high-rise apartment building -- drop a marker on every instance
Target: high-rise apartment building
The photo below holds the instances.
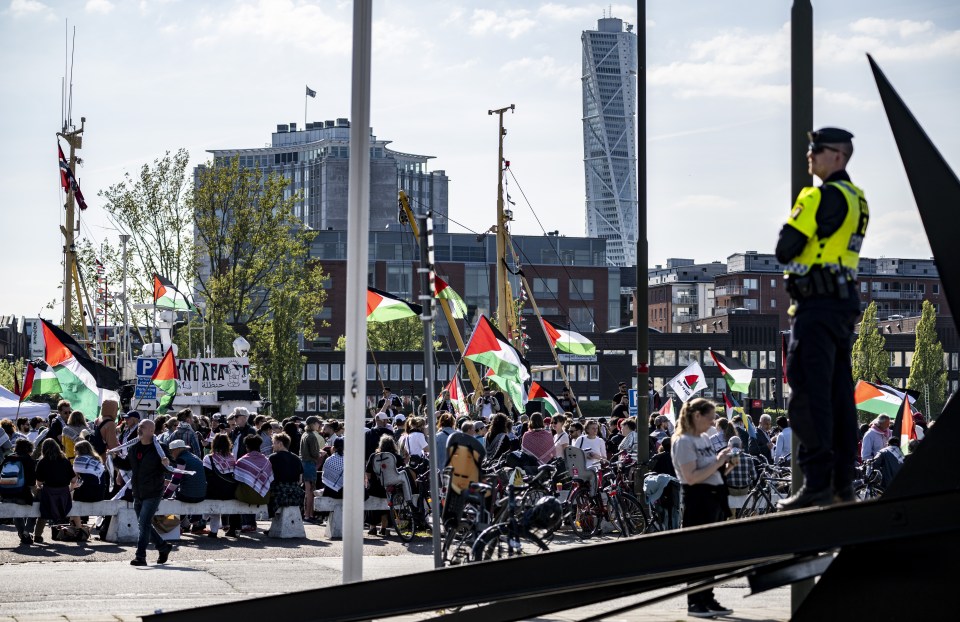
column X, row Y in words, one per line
column 609, row 137
column 316, row 160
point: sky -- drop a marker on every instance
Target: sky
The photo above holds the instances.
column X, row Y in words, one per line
column 158, row 75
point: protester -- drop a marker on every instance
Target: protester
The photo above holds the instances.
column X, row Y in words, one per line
column 783, row 446
column 147, row 464
column 538, row 441
column 55, row 477
column 240, row 431
column 219, row 467
column 496, row 440
column 876, row 437
column 73, row 433
column 193, row 488
column 20, row 467
column 59, row 421
column 662, row 461
column 413, row 444
column 375, row 488
column 372, row 435
column 185, row 432
column 629, row 442
column 889, row 460
column 594, row 447
column 698, row 467
column 561, row 440
column 254, row 475
column 444, row 431
column 332, row 475
column 285, row 491
column 310, row 445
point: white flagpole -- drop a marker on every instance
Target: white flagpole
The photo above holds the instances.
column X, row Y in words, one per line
column 358, row 225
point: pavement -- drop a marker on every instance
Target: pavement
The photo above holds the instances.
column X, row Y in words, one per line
column 94, row 582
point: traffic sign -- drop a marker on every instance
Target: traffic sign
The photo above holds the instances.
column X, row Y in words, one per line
column 632, row 397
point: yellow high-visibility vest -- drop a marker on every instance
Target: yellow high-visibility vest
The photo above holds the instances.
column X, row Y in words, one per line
column 840, row 251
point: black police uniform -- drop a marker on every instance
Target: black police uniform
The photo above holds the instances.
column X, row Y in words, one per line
column 822, row 410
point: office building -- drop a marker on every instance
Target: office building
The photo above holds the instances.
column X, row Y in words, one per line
column 609, row 137
column 316, row 159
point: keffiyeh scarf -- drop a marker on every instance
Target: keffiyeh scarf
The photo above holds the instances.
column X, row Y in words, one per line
column 255, row 470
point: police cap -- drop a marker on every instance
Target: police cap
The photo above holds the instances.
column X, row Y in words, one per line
column 830, row 135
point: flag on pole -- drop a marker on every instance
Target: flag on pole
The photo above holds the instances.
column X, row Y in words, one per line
column 509, row 386
column 38, row 379
column 165, row 378
column 730, row 405
column 783, row 357
column 688, row 382
column 489, row 347
column 458, row 308
column 550, row 402
column 455, row 390
column 737, row 375
column 904, row 427
column 384, row 307
column 84, row 382
column 167, row 296
column 568, row 341
column 68, row 181
column 667, row 411
column 311, row 92
column 879, row 399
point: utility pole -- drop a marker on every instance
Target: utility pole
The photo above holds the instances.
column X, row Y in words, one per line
column 503, row 302
column 125, row 347
column 75, row 140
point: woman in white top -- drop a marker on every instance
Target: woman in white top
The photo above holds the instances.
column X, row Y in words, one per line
column 698, row 466
column 414, row 441
column 594, row 447
column 561, row 440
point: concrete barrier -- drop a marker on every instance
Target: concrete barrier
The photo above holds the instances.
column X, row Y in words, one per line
column 334, row 530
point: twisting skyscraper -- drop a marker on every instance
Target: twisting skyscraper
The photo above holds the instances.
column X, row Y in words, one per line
column 609, row 137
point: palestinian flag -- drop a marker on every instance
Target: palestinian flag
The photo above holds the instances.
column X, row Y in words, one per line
column 167, row 296
column 568, row 340
column 550, row 403
column 384, row 307
column 688, row 382
column 730, row 405
column 510, row 387
column 68, row 181
column 458, row 308
column 165, row 379
column 878, row 399
column 737, row 375
column 38, row 380
column 84, row 382
column 904, row 427
column 489, row 347
column 455, row 390
column 667, row 411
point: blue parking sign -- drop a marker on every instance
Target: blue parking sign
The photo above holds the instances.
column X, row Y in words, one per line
column 632, row 399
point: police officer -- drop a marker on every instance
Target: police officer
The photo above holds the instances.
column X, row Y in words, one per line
column 819, row 247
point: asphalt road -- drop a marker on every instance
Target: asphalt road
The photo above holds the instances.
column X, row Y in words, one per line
column 94, row 581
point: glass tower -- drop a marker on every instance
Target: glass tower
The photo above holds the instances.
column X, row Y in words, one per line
column 609, row 137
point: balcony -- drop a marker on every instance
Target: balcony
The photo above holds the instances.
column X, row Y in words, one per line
column 895, row 295
column 729, row 291
column 679, row 318
column 685, row 300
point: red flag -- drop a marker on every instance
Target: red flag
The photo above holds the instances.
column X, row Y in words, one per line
column 904, row 426
column 24, row 391
column 68, row 181
column 783, row 356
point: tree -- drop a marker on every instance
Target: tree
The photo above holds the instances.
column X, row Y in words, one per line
column 870, row 361
column 928, row 374
column 404, row 335
column 154, row 208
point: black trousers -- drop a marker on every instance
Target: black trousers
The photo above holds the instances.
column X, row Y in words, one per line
column 703, row 504
column 822, row 411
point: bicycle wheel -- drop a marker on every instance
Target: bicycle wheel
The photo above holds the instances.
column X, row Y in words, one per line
column 585, row 522
column 494, row 543
column 757, row 503
column 634, row 516
column 868, row 491
column 615, row 515
column 401, row 514
column 458, row 545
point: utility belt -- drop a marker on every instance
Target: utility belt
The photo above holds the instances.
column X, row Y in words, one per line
column 820, row 282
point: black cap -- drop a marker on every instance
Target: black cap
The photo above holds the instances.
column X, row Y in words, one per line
column 133, row 413
column 830, row 135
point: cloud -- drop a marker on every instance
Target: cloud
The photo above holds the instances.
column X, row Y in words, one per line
column 705, row 202
column 305, row 26
column 889, row 40
column 876, row 27
column 513, row 23
column 544, row 68
column 25, row 8
column 98, row 6
column 585, row 13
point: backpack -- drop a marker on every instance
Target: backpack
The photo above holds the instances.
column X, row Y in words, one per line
column 96, row 439
column 12, row 478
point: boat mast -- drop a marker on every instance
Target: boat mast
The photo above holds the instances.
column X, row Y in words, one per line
column 504, row 300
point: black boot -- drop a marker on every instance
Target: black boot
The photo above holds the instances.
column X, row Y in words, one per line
column 805, row 498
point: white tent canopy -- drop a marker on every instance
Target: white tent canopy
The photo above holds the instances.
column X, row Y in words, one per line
column 8, row 407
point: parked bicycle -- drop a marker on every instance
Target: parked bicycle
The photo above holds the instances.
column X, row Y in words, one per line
column 868, row 483
column 523, row 532
column 771, row 485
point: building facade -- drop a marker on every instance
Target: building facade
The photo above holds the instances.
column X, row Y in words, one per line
column 316, row 161
column 609, row 137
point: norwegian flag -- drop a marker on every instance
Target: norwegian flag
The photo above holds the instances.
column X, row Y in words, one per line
column 67, row 180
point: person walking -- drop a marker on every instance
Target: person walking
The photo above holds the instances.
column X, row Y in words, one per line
column 698, row 466
column 819, row 247
column 147, row 466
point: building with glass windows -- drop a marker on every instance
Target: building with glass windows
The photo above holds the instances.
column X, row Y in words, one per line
column 316, row 159
column 609, row 137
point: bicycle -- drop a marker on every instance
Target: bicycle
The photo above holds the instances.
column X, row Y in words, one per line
column 471, row 519
column 771, row 485
column 519, row 534
column 868, row 483
column 401, row 512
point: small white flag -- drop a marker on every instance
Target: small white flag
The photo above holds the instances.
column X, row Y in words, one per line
column 688, row 382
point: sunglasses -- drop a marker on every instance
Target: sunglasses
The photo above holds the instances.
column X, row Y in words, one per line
column 816, row 148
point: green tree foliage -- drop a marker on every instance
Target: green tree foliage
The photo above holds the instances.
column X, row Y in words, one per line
column 154, row 208
column 8, row 371
column 870, row 361
column 193, row 338
column 928, row 373
column 404, row 335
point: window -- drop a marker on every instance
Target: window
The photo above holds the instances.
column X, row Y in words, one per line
column 311, row 371
column 896, row 359
column 418, row 371
column 545, row 287
column 763, row 360
column 685, row 357
column 751, row 303
column 371, row 371
column 581, row 319
column 936, row 288
column 664, row 358
column 773, row 303
column 395, row 371
column 863, row 287
column 406, row 372
column 323, row 404
column 908, row 359
column 581, row 289
column 300, row 401
column 476, row 290
column 583, row 373
column 311, row 404
column 384, row 371
column 708, row 360
column 594, row 373
column 773, row 283
column 751, row 283
column 400, row 280
column 323, row 371
column 335, row 371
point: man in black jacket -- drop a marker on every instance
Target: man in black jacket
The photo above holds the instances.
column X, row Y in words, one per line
column 148, row 464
